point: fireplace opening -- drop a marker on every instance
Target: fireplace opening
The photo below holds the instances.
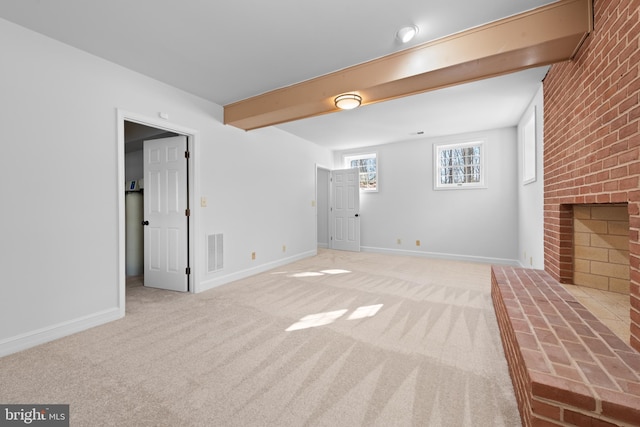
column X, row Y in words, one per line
column 601, row 247
column 601, row 274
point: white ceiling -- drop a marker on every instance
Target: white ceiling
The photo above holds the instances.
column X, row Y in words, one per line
column 225, row 51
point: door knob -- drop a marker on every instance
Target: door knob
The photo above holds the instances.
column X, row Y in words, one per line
column 145, row 222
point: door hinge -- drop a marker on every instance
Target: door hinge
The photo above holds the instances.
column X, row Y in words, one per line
column 187, row 212
column 187, row 270
column 187, row 155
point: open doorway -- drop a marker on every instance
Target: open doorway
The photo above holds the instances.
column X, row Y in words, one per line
column 134, row 136
column 337, row 209
column 322, row 206
column 192, row 183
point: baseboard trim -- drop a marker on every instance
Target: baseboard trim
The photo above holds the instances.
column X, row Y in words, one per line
column 452, row 257
column 222, row 280
column 60, row 330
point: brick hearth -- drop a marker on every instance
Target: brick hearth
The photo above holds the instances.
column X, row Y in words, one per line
column 567, row 368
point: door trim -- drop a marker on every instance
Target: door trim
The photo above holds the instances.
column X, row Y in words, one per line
column 193, row 182
column 317, row 205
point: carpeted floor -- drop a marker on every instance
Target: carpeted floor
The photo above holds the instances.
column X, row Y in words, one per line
column 340, row 339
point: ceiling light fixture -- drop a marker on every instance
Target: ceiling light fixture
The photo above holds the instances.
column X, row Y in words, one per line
column 406, row 34
column 348, row 101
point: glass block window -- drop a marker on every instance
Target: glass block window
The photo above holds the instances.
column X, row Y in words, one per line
column 459, row 165
column 368, row 166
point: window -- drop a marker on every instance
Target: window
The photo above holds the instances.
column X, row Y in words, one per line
column 368, row 165
column 459, row 165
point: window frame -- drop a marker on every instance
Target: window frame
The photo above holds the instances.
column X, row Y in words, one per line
column 347, row 158
column 439, row 147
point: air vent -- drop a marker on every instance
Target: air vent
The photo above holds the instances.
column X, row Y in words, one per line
column 214, row 252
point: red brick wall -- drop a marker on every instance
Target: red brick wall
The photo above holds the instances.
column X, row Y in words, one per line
column 592, row 137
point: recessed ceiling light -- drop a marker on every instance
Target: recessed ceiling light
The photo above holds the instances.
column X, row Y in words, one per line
column 406, row 34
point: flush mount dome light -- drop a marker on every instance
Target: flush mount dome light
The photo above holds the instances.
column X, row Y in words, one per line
column 348, row 101
column 406, row 34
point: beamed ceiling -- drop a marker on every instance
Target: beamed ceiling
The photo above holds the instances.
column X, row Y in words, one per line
column 474, row 64
column 543, row 36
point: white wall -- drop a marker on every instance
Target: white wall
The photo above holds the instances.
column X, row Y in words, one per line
column 59, row 270
column 531, row 196
column 260, row 187
column 479, row 225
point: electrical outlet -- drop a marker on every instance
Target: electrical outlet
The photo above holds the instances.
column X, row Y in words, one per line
column 399, row 241
column 253, row 255
column 284, row 248
column 417, row 242
column 530, row 260
column 313, row 203
column 203, row 202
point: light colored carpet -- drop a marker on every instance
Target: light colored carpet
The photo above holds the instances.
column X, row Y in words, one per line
column 429, row 356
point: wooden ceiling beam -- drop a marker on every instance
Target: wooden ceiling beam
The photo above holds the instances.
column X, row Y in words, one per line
column 543, row 36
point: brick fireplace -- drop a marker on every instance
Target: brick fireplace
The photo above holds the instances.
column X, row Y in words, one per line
column 592, row 140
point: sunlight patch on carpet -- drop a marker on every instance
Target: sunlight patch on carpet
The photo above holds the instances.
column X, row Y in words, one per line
column 365, row 311
column 315, row 320
column 332, row 272
column 328, row 317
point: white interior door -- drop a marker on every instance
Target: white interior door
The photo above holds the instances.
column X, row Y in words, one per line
column 345, row 205
column 165, row 214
